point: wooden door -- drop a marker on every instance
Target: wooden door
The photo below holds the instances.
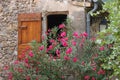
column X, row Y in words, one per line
column 29, row 28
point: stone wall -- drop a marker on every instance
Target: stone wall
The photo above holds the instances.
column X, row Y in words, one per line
column 9, row 9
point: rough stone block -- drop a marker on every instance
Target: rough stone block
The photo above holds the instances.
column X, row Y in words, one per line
column 1, row 8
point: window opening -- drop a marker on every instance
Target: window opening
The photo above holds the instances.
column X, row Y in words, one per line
column 53, row 21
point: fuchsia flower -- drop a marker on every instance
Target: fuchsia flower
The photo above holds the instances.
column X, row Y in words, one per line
column 64, row 39
column 69, row 50
column 85, row 34
column 43, row 37
column 46, row 33
column 20, row 70
column 83, row 40
column 83, row 63
column 26, row 60
column 64, row 43
column 49, row 30
column 87, row 77
column 75, row 34
column 101, row 71
column 10, row 76
column 41, row 47
column 62, row 77
column 16, row 62
column 66, row 58
column 27, row 65
column 22, row 56
column 50, row 47
column 94, row 68
column 73, row 43
column 93, row 64
column 6, row 67
column 31, row 54
column 102, row 48
column 58, row 52
column 37, row 78
column 75, row 59
column 63, row 34
column 27, row 77
column 52, row 40
column 27, row 48
column 37, row 69
column 61, row 26
column 93, row 39
column 93, row 78
column 81, row 45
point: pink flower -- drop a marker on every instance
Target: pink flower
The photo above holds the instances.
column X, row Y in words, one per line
column 41, row 47
column 37, row 69
column 75, row 59
column 73, row 43
column 95, row 56
column 85, row 34
column 27, row 48
column 43, row 37
column 66, row 58
column 20, row 70
column 101, row 48
column 26, row 60
column 87, row 77
column 6, row 67
column 50, row 47
column 63, row 34
column 101, row 72
column 75, row 34
column 52, row 40
column 54, row 43
column 69, row 50
column 46, row 33
column 94, row 68
column 93, row 63
column 27, row 65
column 81, row 45
column 10, row 76
column 93, row 78
column 93, row 39
column 58, row 52
column 64, row 43
column 27, row 77
column 83, row 63
column 64, row 39
column 62, row 77
column 49, row 30
column 22, row 56
column 37, row 78
column 61, row 26
column 83, row 40
column 31, row 54
column 16, row 62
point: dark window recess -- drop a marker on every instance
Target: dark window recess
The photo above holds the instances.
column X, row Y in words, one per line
column 55, row 20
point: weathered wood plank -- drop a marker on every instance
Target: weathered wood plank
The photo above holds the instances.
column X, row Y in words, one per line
column 82, row 4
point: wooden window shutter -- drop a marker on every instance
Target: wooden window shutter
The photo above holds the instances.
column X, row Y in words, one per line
column 29, row 28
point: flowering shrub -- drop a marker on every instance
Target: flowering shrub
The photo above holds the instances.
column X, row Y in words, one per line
column 112, row 36
column 61, row 54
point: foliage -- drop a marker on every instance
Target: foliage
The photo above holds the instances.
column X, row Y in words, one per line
column 112, row 36
column 61, row 54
